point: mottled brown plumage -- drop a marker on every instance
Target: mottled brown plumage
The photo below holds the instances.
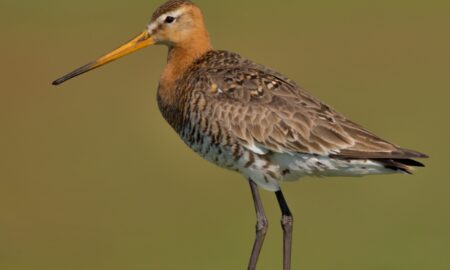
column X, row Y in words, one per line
column 245, row 117
column 254, row 105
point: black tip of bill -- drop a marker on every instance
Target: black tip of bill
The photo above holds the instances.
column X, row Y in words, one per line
column 74, row 73
column 58, row 81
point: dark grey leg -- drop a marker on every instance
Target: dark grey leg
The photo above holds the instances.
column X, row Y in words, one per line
column 261, row 226
column 287, row 224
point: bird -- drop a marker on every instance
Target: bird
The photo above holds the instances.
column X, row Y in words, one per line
column 245, row 117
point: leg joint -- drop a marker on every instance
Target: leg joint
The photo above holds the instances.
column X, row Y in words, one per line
column 262, row 225
column 287, row 223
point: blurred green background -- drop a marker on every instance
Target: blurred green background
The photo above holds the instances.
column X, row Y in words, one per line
column 91, row 177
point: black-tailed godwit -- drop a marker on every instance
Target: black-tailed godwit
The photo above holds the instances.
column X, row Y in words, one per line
column 248, row 118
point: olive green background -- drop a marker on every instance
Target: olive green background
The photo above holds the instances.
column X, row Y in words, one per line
column 91, row 177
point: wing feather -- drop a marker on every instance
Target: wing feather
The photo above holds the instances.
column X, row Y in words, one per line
column 265, row 112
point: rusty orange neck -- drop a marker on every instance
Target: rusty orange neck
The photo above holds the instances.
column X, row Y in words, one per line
column 181, row 56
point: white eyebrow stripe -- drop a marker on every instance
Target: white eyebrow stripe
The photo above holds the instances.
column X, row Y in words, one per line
column 160, row 20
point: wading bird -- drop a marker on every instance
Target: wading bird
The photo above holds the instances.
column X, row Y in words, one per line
column 245, row 117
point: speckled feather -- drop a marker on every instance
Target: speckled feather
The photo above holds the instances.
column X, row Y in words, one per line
column 243, row 116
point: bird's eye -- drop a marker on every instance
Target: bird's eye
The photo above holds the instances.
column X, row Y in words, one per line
column 169, row 19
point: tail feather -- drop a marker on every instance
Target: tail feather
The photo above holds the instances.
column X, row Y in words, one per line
column 397, row 154
column 398, row 160
column 413, row 154
column 404, row 165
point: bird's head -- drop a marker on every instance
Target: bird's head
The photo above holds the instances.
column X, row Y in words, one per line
column 177, row 24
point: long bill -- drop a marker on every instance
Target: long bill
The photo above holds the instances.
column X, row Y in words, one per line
column 141, row 41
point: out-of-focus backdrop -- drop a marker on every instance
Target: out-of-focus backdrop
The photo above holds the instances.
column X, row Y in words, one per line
column 91, row 177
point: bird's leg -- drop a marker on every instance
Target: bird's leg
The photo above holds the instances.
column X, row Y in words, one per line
column 261, row 226
column 287, row 221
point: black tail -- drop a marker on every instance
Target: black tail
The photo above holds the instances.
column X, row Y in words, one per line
column 404, row 165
